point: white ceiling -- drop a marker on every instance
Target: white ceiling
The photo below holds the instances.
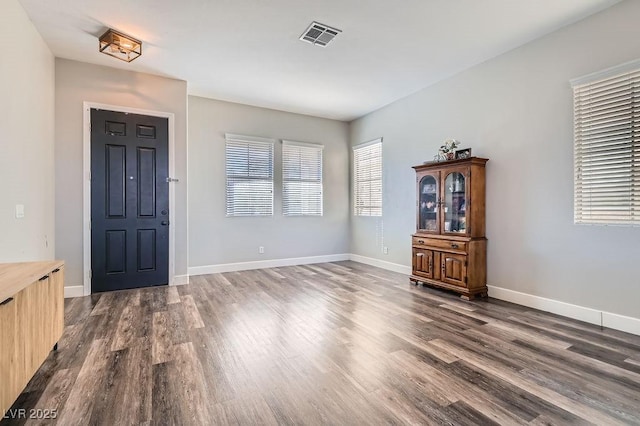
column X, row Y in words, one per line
column 248, row 51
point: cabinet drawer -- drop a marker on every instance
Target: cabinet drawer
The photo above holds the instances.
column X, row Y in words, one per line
column 440, row 244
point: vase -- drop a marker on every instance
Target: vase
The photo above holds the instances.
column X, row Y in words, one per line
column 450, row 155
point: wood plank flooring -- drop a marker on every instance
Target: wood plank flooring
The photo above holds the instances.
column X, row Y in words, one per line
column 335, row 343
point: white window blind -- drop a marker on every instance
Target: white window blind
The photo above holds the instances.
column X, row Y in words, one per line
column 301, row 179
column 249, row 170
column 367, row 167
column 607, row 149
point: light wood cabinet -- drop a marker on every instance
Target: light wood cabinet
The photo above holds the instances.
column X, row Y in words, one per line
column 8, row 346
column 31, row 322
column 449, row 246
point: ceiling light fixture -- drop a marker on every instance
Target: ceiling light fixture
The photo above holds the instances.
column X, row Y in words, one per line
column 319, row 34
column 120, row 46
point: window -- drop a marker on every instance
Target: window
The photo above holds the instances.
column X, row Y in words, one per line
column 607, row 147
column 249, row 169
column 367, row 185
column 301, row 179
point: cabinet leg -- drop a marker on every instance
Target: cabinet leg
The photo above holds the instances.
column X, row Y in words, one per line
column 55, row 347
column 473, row 296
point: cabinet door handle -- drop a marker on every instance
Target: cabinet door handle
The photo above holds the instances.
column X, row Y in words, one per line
column 454, row 245
column 44, row 278
column 7, row 301
column 56, row 270
column 420, row 241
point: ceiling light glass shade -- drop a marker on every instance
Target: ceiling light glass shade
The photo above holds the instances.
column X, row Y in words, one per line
column 120, row 46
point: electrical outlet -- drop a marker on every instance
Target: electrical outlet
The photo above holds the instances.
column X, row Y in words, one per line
column 19, row 211
column 261, row 250
column 385, row 250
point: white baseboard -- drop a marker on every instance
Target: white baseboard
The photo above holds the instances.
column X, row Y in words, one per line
column 180, row 280
column 260, row 264
column 581, row 313
column 621, row 322
column 395, row 267
column 73, row 291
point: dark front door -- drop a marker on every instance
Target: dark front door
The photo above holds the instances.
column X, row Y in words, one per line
column 129, row 201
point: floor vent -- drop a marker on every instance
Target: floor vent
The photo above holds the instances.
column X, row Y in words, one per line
column 319, row 34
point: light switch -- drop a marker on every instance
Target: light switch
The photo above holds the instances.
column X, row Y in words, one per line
column 19, row 211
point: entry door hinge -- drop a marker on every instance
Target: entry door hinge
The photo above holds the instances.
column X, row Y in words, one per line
column 169, row 180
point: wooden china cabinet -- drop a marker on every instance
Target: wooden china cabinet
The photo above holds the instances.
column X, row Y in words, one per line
column 449, row 247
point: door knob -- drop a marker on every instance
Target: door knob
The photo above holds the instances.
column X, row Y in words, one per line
column 164, row 223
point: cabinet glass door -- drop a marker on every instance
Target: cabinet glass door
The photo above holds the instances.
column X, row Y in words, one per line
column 455, row 203
column 428, row 204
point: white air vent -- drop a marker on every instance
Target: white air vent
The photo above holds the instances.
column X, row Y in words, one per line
column 319, row 34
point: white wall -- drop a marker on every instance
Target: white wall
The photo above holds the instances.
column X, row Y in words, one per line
column 516, row 110
column 26, row 138
column 77, row 82
column 215, row 239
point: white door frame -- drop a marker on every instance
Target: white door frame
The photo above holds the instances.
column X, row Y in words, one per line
column 86, row 191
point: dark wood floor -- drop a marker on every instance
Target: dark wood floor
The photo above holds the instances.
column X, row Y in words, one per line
column 337, row 343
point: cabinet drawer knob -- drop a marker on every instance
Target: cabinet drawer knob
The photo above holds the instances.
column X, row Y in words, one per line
column 420, row 241
column 454, row 245
column 6, row 302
